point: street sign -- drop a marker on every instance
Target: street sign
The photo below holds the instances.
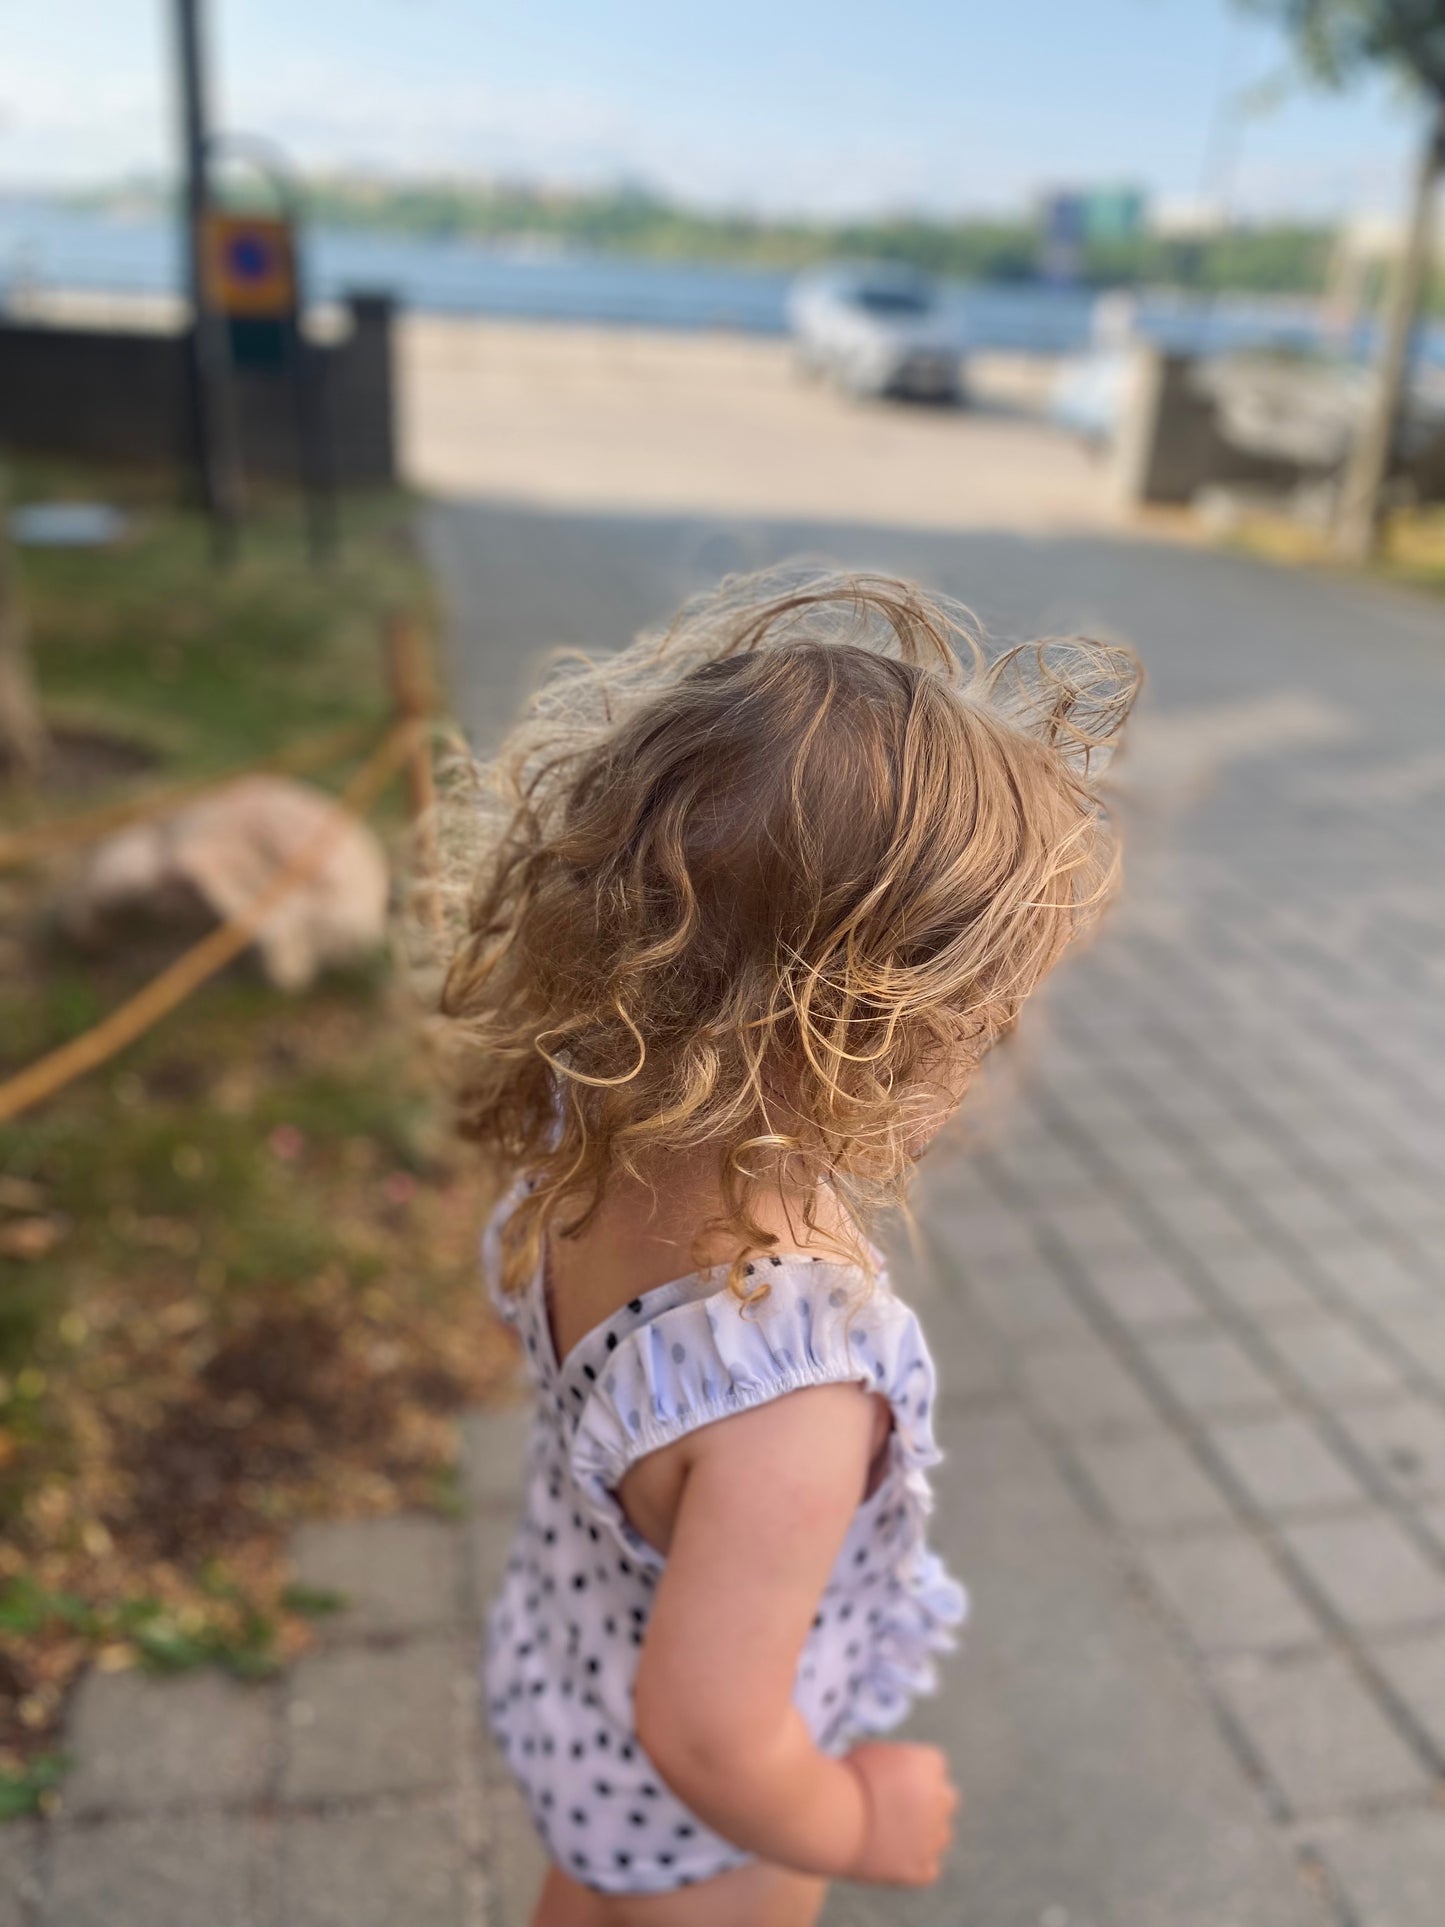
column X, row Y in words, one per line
column 251, row 265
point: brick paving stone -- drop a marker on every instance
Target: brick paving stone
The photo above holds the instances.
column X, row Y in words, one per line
column 1146, row 1158
column 206, row 1872
column 1229, row 1593
column 1100, row 1228
column 1365, row 1271
column 1305, row 1210
column 488, row 1551
column 1144, row 1295
column 1432, row 1517
column 1336, row 1363
column 1026, row 1306
column 494, row 1454
column 1405, row 1442
column 1323, row 1738
column 1370, row 1570
column 1259, row 1282
column 1211, row 1374
column 141, row 1742
column 1415, row 1667
column 1418, row 1325
column 19, row 1871
column 362, row 1720
column 1391, row 1869
column 1153, row 1484
column 398, row 1575
column 1085, row 1389
column 384, row 1866
column 1200, row 1218
column 1283, row 1463
column 516, row 1861
column 979, row 1233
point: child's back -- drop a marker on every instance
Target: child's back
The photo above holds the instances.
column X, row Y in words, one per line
column 763, row 896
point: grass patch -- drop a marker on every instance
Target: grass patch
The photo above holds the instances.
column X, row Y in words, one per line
column 1412, row 554
column 237, row 1264
column 206, row 667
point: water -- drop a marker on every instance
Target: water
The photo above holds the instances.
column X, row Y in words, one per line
column 42, row 245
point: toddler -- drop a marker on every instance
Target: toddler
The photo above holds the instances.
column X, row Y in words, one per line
column 753, row 899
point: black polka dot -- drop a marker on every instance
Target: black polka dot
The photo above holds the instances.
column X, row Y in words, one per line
column 579, row 1816
column 612, row 1341
column 602, row 1788
column 634, row 1305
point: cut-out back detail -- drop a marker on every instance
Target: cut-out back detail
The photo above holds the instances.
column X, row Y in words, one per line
column 566, row 1631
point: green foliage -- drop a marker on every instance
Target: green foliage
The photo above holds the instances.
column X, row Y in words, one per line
column 207, row 667
column 243, row 1640
column 1336, row 39
column 314, row 1602
column 23, row 1788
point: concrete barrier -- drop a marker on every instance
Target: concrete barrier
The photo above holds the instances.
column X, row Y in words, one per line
column 1188, row 426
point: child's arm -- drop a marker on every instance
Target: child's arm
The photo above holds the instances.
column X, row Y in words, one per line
column 765, row 1506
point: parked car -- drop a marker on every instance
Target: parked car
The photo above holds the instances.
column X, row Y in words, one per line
column 878, row 331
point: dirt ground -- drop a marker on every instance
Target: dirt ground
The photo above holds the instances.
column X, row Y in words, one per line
column 636, row 421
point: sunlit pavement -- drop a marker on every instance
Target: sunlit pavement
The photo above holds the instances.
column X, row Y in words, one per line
column 1187, row 1291
column 602, row 420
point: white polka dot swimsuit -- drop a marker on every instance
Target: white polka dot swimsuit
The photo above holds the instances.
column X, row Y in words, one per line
column 565, row 1632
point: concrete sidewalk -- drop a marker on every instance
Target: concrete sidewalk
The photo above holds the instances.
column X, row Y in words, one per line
column 358, row 1791
column 1186, row 1293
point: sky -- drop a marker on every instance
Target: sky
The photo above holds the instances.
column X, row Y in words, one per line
column 822, row 107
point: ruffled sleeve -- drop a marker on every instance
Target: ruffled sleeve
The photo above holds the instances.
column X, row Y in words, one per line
column 709, row 1358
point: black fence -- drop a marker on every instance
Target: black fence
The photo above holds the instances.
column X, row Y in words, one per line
column 122, row 396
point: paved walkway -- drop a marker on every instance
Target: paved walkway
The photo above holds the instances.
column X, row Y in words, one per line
column 358, row 1791
column 1188, row 1293
column 599, row 419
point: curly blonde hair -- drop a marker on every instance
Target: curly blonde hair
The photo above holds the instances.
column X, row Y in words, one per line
column 763, row 882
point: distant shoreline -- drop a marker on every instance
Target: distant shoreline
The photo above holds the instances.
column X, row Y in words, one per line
column 1116, row 247
column 45, row 252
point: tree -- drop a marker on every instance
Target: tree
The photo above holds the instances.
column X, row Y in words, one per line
column 1337, row 39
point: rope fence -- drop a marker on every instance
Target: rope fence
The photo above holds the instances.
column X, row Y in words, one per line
column 406, row 745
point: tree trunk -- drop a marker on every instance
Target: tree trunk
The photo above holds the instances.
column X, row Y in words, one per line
column 23, row 740
column 1360, row 510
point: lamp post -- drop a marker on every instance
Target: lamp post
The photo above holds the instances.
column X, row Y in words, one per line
column 213, row 411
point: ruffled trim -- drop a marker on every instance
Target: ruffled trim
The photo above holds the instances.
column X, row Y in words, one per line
column 709, row 1359
column 918, row 1625
column 705, row 1360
